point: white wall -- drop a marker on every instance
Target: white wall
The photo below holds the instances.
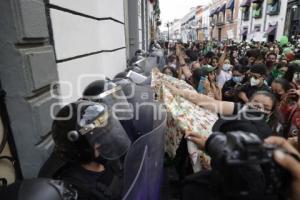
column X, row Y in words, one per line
column 265, row 20
column 85, row 43
column 96, row 8
column 88, row 69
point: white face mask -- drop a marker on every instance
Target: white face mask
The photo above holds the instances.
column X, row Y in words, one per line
column 254, row 81
column 296, row 77
column 173, row 65
column 226, row 67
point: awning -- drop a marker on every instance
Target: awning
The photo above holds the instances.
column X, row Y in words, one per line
column 271, row 30
column 212, row 12
column 257, row 1
column 230, row 5
column 222, row 8
column 216, row 10
column 246, row 3
column 244, row 32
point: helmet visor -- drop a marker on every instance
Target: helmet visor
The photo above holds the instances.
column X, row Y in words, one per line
column 104, row 132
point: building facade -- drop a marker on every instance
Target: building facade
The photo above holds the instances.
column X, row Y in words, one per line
column 202, row 18
column 142, row 22
column 292, row 22
column 52, row 49
column 189, row 26
column 175, row 30
column 223, row 19
column 262, row 20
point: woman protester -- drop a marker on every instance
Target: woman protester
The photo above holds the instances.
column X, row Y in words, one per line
column 293, row 75
column 260, row 106
column 170, row 71
column 231, row 87
column 207, row 84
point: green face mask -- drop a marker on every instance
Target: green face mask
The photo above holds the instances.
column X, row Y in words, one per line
column 277, row 73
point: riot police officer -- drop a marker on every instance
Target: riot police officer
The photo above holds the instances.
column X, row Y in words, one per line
column 92, row 140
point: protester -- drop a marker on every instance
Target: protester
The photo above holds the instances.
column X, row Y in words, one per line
column 172, row 62
column 258, row 74
column 170, row 71
column 278, row 72
column 271, row 61
column 262, row 102
column 207, row 83
column 293, row 75
column 225, row 73
column 231, row 87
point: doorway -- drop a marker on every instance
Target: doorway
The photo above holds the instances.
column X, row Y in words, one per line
column 219, row 34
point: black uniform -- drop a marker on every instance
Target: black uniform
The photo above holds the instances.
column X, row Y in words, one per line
column 95, row 185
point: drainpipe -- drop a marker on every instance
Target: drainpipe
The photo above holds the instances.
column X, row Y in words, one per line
column 266, row 15
column 251, row 19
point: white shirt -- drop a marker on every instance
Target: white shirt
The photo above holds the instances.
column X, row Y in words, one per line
column 223, row 77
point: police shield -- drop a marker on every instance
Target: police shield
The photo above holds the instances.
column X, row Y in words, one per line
column 141, row 98
column 148, row 171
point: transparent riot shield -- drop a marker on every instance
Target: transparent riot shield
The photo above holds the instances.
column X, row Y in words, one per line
column 141, row 99
column 136, row 182
column 145, row 174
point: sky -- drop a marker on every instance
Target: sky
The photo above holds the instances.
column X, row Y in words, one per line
column 172, row 9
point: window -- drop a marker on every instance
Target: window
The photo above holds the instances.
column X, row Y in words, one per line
column 273, row 7
column 229, row 15
column 215, row 19
column 211, row 21
column 257, row 10
column 221, row 18
column 245, row 13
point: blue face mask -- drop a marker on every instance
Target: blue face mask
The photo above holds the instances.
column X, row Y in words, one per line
column 237, row 79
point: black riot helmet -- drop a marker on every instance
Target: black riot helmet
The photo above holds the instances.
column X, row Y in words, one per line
column 82, row 127
column 107, row 92
column 36, row 189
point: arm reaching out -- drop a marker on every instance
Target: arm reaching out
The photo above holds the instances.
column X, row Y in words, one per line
column 221, row 107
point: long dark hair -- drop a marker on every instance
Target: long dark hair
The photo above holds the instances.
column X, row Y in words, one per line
column 174, row 72
column 285, row 84
column 292, row 68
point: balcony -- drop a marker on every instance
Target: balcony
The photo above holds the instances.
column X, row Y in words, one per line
column 220, row 23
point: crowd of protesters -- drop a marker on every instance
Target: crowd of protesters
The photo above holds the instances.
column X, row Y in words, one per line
column 230, row 71
column 228, row 75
